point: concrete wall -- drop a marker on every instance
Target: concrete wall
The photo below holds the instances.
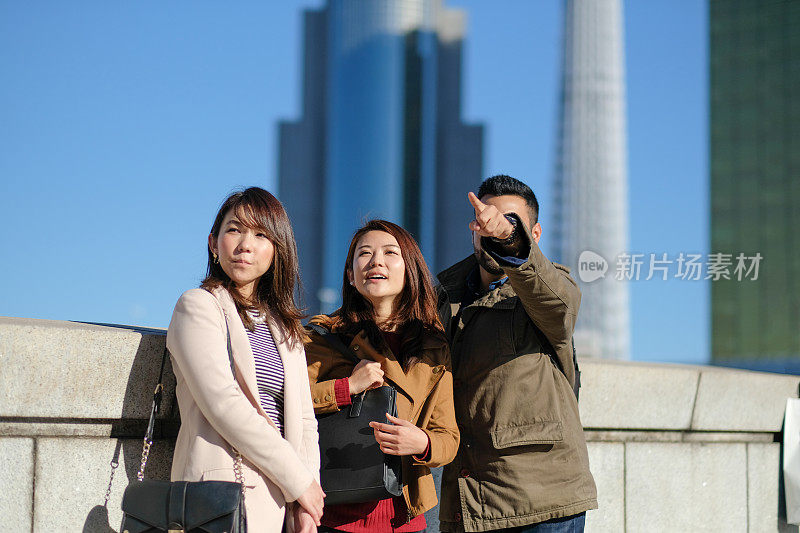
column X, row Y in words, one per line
column 684, row 448
column 672, row 448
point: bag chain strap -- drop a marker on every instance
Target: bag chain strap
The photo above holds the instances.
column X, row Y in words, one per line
column 237, row 470
column 237, row 462
column 156, row 406
column 158, row 394
column 145, row 455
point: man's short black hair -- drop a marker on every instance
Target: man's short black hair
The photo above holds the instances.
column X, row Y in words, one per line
column 501, row 184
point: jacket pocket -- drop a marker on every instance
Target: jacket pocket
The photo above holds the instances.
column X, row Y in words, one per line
column 227, row 474
column 542, row 432
column 526, row 404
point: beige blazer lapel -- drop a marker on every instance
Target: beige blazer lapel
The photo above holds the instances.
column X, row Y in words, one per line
column 243, row 359
column 240, row 345
column 292, row 416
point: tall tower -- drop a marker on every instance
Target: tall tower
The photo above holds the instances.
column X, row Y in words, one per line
column 591, row 186
column 380, row 136
column 754, row 131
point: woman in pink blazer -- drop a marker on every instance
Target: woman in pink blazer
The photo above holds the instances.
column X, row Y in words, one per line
column 262, row 409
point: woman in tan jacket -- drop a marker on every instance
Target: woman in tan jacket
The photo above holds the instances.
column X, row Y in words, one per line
column 389, row 320
column 244, row 317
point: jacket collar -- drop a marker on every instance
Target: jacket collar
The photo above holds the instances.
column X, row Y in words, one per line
column 420, row 379
column 454, row 283
column 502, row 297
column 416, row 384
column 428, row 343
column 454, row 279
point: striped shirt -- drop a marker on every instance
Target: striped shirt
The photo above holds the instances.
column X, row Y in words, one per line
column 269, row 370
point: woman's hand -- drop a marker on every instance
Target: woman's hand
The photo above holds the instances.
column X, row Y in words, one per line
column 312, row 500
column 366, row 375
column 402, row 438
column 303, row 521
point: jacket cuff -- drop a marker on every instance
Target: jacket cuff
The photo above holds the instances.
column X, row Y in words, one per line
column 424, row 456
column 291, row 493
column 323, row 396
column 429, row 458
column 511, row 252
column 342, row 391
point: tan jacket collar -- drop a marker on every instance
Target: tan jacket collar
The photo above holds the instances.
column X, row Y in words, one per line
column 421, row 377
column 416, row 384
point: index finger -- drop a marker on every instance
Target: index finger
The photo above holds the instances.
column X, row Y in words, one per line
column 476, row 203
column 397, row 421
column 383, row 428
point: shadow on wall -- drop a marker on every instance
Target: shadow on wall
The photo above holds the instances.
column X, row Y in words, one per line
column 130, row 428
column 97, row 521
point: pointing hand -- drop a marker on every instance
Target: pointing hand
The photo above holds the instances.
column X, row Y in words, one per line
column 489, row 222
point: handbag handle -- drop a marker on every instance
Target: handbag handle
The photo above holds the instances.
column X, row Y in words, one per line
column 156, row 406
column 336, row 342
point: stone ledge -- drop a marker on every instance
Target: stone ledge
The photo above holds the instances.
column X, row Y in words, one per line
column 68, row 370
column 662, row 396
column 54, row 369
column 166, row 429
column 594, row 435
column 729, row 399
column 637, row 395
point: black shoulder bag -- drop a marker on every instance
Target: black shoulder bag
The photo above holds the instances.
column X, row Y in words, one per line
column 190, row 506
column 353, row 468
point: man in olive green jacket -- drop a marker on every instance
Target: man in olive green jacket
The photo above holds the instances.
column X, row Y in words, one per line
column 509, row 314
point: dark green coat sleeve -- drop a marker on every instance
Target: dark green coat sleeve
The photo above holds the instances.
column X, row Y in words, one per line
column 548, row 293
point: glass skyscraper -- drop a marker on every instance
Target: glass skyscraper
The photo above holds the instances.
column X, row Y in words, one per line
column 591, row 182
column 755, row 180
column 380, row 136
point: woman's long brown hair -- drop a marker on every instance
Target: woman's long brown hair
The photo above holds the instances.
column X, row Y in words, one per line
column 258, row 209
column 415, row 310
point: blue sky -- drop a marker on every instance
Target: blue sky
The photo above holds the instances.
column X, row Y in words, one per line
column 123, row 126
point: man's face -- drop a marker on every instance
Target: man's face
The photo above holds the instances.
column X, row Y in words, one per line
column 507, row 203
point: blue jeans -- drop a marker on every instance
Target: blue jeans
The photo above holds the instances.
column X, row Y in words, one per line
column 567, row 524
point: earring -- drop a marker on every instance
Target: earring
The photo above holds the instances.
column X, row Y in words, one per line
column 216, row 259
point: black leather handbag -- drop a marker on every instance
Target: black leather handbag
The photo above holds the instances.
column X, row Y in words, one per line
column 188, row 506
column 353, row 469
